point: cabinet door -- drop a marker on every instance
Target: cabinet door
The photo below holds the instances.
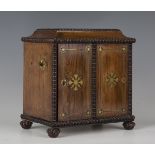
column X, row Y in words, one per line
column 112, row 77
column 74, row 81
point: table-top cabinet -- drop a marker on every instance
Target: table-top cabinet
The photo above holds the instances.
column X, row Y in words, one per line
column 77, row 77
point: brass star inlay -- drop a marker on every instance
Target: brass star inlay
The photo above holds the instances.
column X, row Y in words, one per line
column 75, row 82
column 111, row 79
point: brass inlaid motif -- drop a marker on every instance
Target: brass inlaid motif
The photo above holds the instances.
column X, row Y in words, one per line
column 63, row 50
column 88, row 48
column 123, row 80
column 100, row 48
column 42, row 64
column 100, row 112
column 123, row 49
column 111, row 79
column 88, row 113
column 63, row 115
column 75, row 82
column 123, row 110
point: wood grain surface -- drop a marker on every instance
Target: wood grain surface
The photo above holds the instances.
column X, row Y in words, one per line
column 112, row 74
column 74, row 104
column 37, row 82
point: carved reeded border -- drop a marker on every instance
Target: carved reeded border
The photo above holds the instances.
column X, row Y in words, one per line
column 108, row 40
column 93, row 80
column 130, row 79
column 82, row 40
column 122, row 118
column 54, row 82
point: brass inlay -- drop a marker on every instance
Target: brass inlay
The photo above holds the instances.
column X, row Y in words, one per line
column 63, row 50
column 100, row 111
column 67, row 49
column 88, row 48
column 42, row 64
column 88, row 113
column 63, row 115
column 75, row 82
column 123, row 110
column 123, row 49
column 100, row 48
column 111, row 79
column 123, row 80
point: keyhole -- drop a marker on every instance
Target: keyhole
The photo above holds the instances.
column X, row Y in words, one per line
column 41, row 64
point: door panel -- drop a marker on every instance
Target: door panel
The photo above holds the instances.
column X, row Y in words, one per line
column 74, row 81
column 112, row 80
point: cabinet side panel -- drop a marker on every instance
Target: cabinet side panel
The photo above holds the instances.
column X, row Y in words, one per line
column 112, row 80
column 37, row 80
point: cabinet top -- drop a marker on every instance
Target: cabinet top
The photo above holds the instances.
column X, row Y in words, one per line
column 78, row 35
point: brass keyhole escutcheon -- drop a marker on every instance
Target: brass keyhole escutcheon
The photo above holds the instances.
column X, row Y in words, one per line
column 42, row 64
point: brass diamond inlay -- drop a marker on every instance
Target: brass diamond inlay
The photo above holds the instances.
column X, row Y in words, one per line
column 76, row 82
column 111, row 79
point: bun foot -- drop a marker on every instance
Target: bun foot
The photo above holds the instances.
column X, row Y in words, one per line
column 128, row 125
column 53, row 132
column 25, row 124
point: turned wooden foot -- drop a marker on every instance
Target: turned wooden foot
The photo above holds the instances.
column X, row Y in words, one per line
column 53, row 132
column 25, row 124
column 128, row 125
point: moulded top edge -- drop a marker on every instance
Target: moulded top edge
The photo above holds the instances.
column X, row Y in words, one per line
column 77, row 34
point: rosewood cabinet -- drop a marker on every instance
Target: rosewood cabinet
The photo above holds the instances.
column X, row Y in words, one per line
column 77, row 77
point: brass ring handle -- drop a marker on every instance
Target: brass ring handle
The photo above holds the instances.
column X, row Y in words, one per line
column 42, row 64
column 64, row 82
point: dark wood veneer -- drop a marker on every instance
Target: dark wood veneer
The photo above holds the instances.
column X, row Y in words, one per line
column 37, row 82
column 89, row 56
column 112, row 62
column 75, row 64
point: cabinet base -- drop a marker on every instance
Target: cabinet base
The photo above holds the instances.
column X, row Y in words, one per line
column 54, row 130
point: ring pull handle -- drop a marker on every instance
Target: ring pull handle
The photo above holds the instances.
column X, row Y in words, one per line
column 64, row 82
